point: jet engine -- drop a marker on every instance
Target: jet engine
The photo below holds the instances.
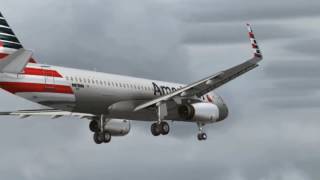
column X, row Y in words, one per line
column 118, row 127
column 201, row 112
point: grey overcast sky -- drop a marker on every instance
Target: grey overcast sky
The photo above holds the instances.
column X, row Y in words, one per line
column 272, row 132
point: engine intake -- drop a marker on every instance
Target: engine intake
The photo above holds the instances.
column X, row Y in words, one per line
column 201, row 112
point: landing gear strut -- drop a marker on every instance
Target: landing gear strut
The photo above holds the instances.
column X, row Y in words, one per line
column 100, row 135
column 201, row 135
column 160, row 127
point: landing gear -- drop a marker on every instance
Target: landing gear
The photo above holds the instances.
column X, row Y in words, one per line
column 94, row 126
column 165, row 128
column 155, row 129
column 160, row 128
column 104, row 137
column 201, row 135
column 100, row 135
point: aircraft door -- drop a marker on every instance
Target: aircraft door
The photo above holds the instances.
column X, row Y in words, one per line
column 48, row 79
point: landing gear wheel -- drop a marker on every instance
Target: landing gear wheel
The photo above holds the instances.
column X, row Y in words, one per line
column 202, row 136
column 101, row 137
column 94, row 126
column 98, row 138
column 165, row 128
column 155, row 129
column 106, row 137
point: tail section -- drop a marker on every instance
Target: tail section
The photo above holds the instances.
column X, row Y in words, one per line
column 9, row 43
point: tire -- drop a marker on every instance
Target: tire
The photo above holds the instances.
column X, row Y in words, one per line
column 94, row 126
column 199, row 137
column 165, row 128
column 155, row 129
column 97, row 138
column 204, row 136
column 106, row 137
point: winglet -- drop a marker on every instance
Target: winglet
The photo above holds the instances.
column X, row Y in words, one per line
column 15, row 63
column 256, row 50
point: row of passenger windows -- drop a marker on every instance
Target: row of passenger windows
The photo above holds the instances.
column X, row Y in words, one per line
column 107, row 83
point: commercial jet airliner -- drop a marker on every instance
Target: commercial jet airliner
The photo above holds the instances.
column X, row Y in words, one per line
column 111, row 101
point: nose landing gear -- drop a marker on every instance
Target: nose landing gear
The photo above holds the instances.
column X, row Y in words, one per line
column 201, row 135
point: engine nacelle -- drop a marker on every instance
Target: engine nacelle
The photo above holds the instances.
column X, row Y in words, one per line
column 201, row 112
column 118, row 127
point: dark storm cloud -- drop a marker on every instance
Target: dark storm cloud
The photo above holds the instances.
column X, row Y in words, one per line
column 211, row 33
column 290, row 83
column 297, row 102
column 120, row 37
column 308, row 47
column 299, row 85
column 243, row 10
column 306, row 69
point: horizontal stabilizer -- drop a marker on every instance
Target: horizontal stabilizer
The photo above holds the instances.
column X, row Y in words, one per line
column 15, row 63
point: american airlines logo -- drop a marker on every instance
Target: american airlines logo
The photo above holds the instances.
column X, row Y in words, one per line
column 162, row 90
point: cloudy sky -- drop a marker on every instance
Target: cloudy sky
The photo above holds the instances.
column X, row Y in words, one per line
column 272, row 132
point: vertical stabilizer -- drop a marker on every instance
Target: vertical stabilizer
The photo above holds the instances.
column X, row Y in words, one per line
column 9, row 43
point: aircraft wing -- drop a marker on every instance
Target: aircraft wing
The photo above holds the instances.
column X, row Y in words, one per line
column 54, row 114
column 210, row 83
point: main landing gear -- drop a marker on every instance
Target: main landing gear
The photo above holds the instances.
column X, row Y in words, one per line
column 100, row 134
column 201, row 135
column 160, row 127
column 101, row 137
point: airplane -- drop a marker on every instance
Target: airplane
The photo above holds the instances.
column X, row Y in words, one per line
column 110, row 102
